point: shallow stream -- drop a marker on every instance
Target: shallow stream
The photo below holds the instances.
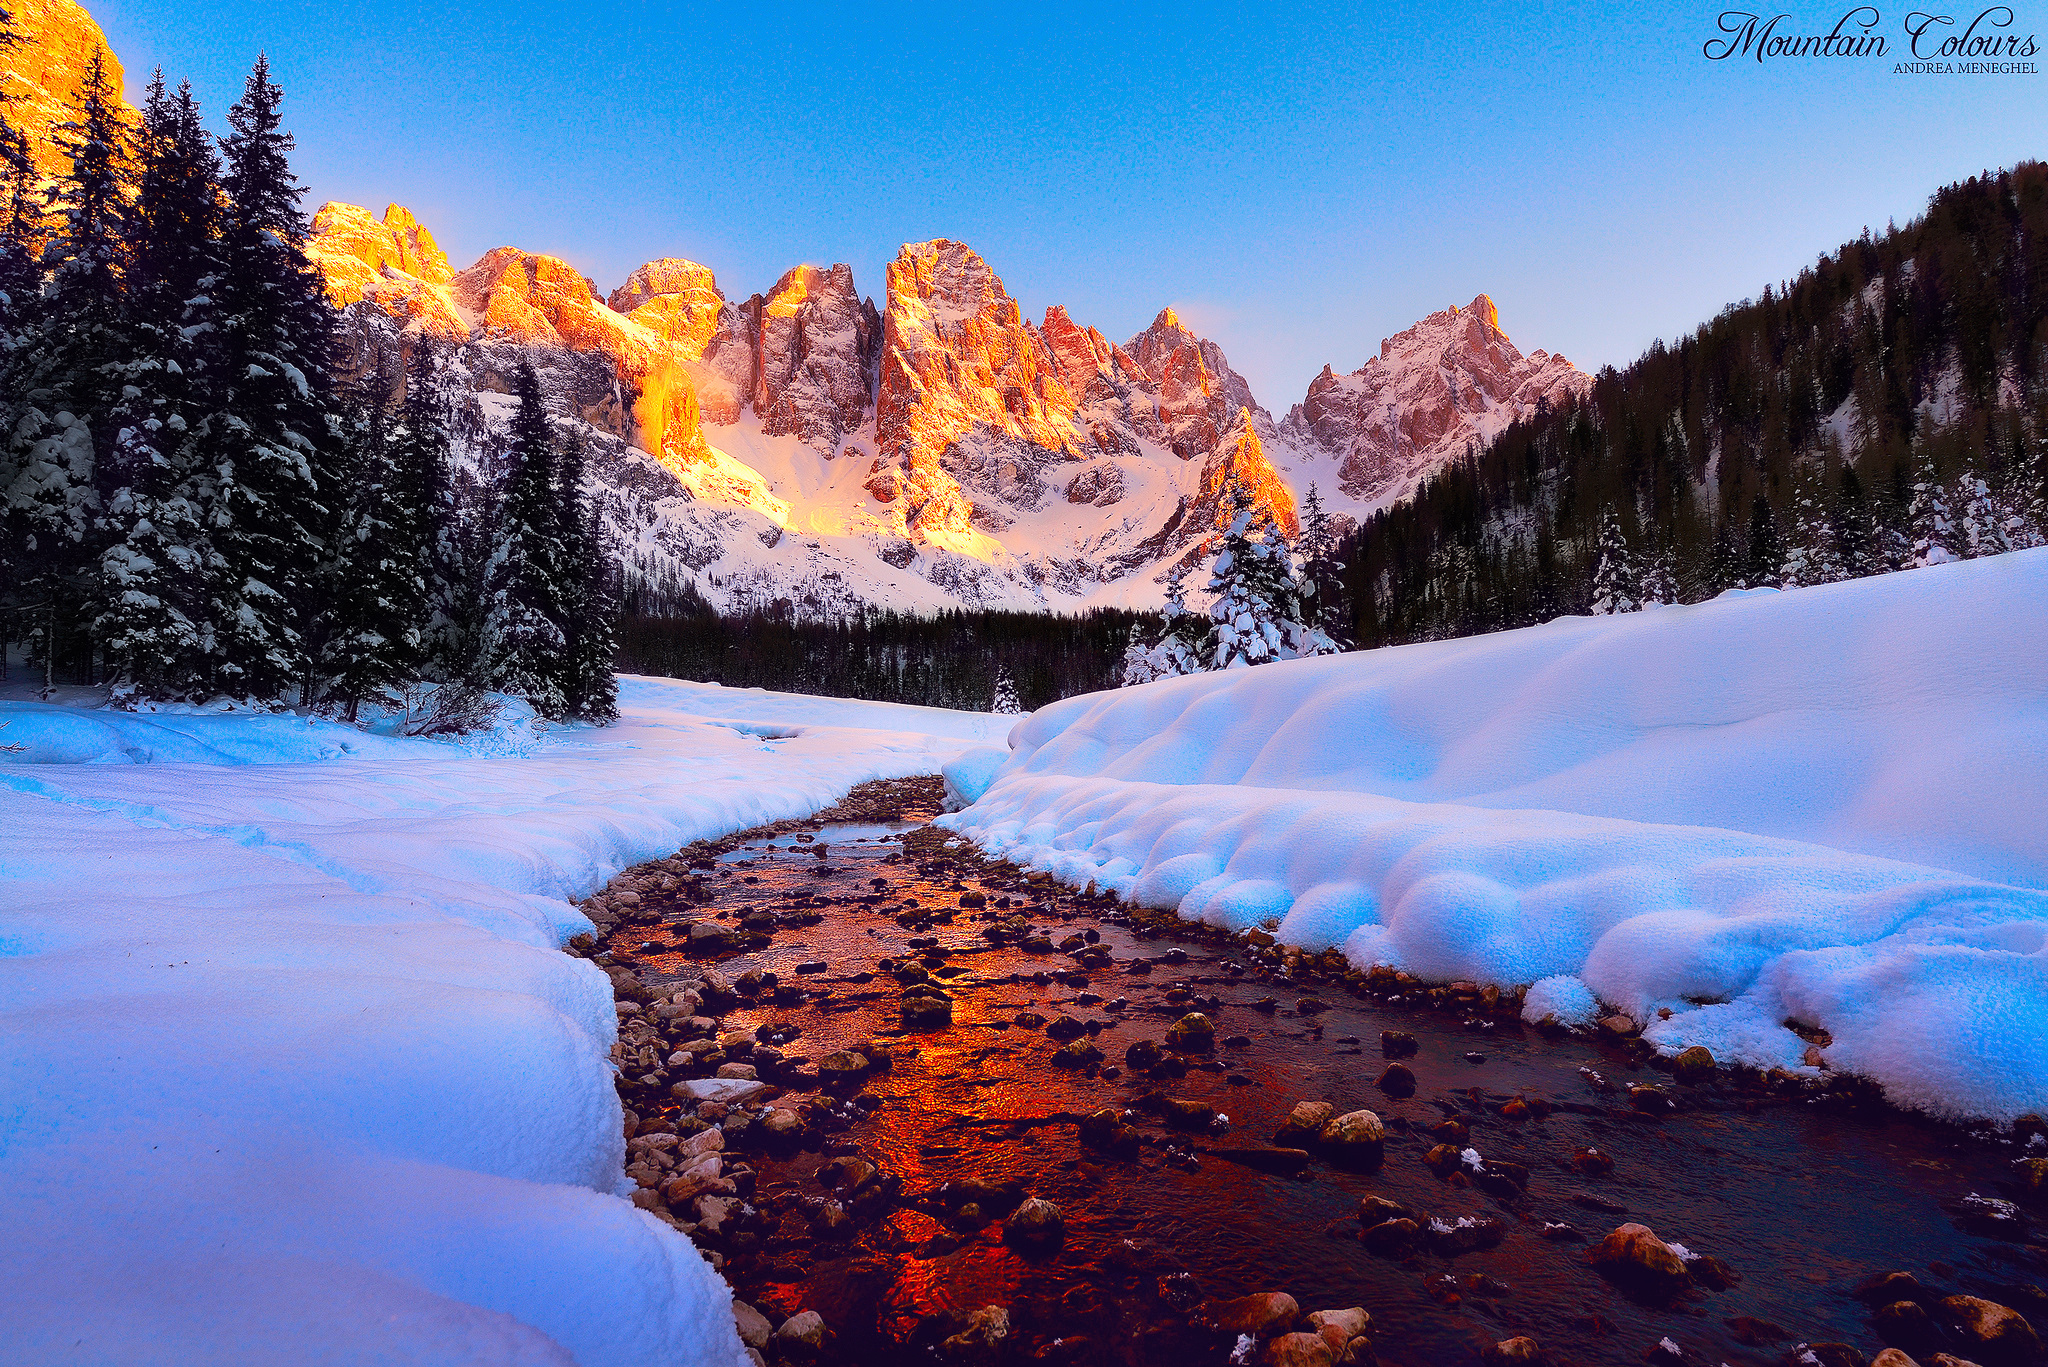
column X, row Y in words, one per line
column 1803, row 1196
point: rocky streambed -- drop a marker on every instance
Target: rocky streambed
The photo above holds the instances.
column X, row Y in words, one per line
column 918, row 1106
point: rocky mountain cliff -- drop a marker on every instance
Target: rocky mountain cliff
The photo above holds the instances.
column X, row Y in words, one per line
column 40, row 76
column 941, row 450
column 1452, row 379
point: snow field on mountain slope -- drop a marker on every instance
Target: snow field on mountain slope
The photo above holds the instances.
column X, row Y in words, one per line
column 1828, row 805
column 293, row 1066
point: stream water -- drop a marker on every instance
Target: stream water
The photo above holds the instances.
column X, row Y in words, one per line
column 1804, row 1196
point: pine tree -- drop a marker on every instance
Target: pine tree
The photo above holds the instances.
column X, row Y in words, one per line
column 2026, row 491
column 21, row 218
column 1258, row 611
column 62, row 371
column 1724, row 561
column 1932, row 527
column 1856, row 532
column 1321, row 572
column 1173, row 652
column 1766, row 548
column 1005, row 702
column 590, row 608
column 453, row 553
column 1811, row 554
column 1981, row 525
column 1616, row 586
column 266, row 434
column 372, row 598
column 524, row 636
column 1659, row 580
column 152, row 597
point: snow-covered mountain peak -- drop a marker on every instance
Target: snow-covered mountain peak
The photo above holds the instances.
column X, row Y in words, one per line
column 1435, row 389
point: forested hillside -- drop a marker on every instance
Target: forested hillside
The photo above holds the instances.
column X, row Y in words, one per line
column 1887, row 408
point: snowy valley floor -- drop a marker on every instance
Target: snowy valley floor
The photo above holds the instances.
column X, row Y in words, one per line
column 293, row 1070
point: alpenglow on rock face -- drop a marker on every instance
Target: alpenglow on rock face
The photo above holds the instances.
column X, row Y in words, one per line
column 40, row 75
column 1451, row 380
column 942, row 450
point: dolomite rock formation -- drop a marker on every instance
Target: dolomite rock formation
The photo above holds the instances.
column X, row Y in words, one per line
column 817, row 349
column 968, row 398
column 989, row 459
column 802, row 356
column 396, row 265
column 1242, row 460
column 511, row 296
column 1451, row 380
column 1198, row 394
column 40, row 75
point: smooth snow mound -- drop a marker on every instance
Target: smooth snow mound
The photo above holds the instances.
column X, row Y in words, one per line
column 968, row 777
column 293, row 1067
column 1829, row 805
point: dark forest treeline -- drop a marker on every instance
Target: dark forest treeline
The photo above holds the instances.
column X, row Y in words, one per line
column 982, row 661
column 1886, row 408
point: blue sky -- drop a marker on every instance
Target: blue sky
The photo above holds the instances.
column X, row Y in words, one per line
column 1298, row 182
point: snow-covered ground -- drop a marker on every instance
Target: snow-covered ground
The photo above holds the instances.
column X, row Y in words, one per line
column 290, row 1067
column 1828, row 805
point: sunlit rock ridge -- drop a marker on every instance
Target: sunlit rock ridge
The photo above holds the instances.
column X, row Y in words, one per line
column 940, row 450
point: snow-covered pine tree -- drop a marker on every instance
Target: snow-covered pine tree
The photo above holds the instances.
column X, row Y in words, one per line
column 1659, row 580
column 453, row 551
column 1766, row 547
column 21, row 219
column 1320, row 568
column 1980, row 523
column 525, row 643
column 266, row 433
column 2026, row 490
column 1258, row 612
column 1811, row 555
column 374, row 591
column 1932, row 528
column 1005, row 703
column 1172, row 653
column 1724, row 561
column 590, row 606
column 1616, row 585
column 62, row 370
column 152, row 582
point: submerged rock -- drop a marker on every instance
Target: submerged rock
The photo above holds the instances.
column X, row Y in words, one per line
column 1261, row 1314
column 1634, row 1256
column 1036, row 1223
column 1396, row 1080
column 1193, row 1032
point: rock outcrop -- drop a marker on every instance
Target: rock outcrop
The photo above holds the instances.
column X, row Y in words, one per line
column 802, row 356
column 396, row 266
column 1450, row 381
column 42, row 73
column 529, row 300
column 969, row 398
column 1196, row 394
column 817, row 347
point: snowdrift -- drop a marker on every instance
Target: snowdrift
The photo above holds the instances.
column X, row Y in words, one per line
column 293, row 1067
column 1829, row 805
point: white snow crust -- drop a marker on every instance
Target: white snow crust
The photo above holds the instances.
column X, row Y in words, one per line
column 1828, row 806
column 290, row 1065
